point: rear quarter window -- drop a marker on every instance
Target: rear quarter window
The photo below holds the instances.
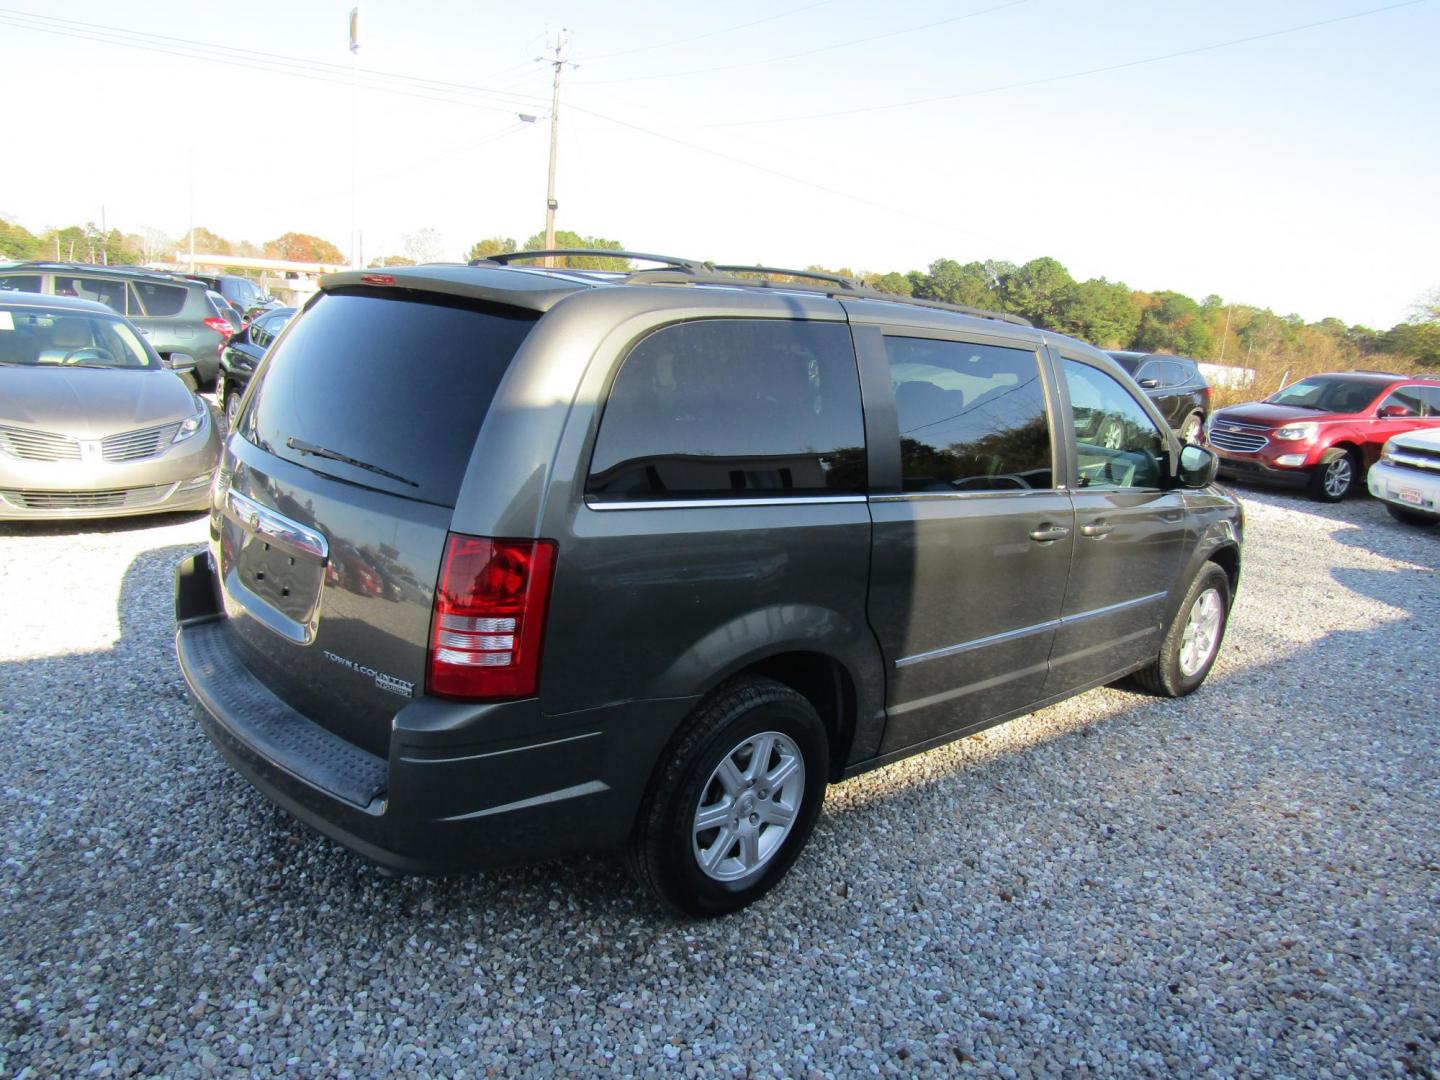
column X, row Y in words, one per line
column 733, row 407
column 160, row 300
column 398, row 380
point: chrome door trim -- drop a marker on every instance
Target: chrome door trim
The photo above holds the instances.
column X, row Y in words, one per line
column 276, row 527
column 700, row 504
column 1025, row 631
column 925, row 496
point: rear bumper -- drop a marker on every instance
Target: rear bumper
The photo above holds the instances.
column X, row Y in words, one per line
column 464, row 786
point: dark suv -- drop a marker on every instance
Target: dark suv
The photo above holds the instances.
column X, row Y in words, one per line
column 172, row 312
column 246, row 295
column 508, row 564
column 1177, row 387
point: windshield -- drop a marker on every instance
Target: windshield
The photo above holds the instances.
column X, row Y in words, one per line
column 36, row 337
column 1328, row 395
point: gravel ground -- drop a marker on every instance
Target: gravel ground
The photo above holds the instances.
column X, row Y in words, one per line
column 1246, row 881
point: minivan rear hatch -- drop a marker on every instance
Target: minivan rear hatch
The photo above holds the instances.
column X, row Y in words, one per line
column 337, row 491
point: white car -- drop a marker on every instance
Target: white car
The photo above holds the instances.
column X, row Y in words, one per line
column 1407, row 477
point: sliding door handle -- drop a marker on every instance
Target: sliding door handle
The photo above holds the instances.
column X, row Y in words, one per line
column 1047, row 532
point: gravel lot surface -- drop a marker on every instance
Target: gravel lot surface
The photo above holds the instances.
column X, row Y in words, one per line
column 1246, row 881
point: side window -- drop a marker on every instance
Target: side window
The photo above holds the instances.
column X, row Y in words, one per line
column 110, row 293
column 972, row 417
column 1407, row 398
column 733, row 407
column 23, row 282
column 1430, row 395
column 1118, row 444
column 132, row 302
column 160, row 299
column 260, row 336
column 1152, row 370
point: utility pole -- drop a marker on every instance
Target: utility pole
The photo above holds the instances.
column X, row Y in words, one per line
column 550, row 204
column 355, row 255
column 192, row 207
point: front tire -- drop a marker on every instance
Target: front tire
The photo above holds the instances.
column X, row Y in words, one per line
column 1336, row 475
column 232, row 409
column 1191, row 431
column 1192, row 642
column 733, row 799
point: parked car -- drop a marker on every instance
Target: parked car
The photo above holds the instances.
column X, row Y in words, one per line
column 1177, row 387
column 172, row 312
column 240, row 291
column 242, row 354
column 92, row 422
column 1322, row 432
column 1407, row 477
column 670, row 552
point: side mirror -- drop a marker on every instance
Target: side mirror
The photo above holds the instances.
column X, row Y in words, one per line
column 1389, row 412
column 1198, row 466
column 1149, row 384
column 179, row 362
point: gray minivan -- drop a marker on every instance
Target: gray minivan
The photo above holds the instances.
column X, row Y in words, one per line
column 510, row 563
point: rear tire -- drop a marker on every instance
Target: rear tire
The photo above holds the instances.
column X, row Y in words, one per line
column 1412, row 517
column 1193, row 639
column 720, row 826
column 1336, row 475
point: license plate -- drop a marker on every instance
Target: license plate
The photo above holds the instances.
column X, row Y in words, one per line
column 1410, row 495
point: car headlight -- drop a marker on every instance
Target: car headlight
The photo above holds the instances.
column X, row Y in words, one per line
column 1296, row 432
column 1387, row 452
column 193, row 425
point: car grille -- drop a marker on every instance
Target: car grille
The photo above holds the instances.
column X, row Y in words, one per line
column 86, row 500
column 38, row 445
column 1241, row 442
column 1414, row 457
column 133, row 445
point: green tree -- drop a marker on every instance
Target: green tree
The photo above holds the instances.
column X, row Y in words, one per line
column 1097, row 311
column 494, row 245
column 566, row 239
column 893, row 282
column 1036, row 290
column 302, row 247
column 974, row 284
column 208, row 243
column 392, row 260
column 16, row 242
column 1174, row 323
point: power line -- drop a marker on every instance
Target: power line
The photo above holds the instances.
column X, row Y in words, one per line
column 807, row 52
column 253, row 59
column 708, row 33
column 1071, row 74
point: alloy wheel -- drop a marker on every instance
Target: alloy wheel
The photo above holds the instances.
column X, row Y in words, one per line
column 748, row 806
column 1338, row 475
column 1202, row 633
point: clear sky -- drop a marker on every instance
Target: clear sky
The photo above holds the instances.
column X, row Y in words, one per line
column 1297, row 170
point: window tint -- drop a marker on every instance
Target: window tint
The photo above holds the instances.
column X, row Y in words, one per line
column 23, row 282
column 723, row 407
column 1412, row 399
column 1430, row 395
column 160, row 299
column 108, row 292
column 1118, row 444
column 401, row 385
column 1151, row 371
column 972, row 417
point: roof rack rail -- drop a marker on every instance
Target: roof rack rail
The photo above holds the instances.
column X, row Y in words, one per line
column 505, row 258
column 1376, row 371
column 839, row 287
column 849, row 284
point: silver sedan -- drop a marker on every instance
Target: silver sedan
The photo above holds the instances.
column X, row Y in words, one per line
column 93, row 423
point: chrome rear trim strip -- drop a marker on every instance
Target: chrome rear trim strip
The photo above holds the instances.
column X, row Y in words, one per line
column 276, row 527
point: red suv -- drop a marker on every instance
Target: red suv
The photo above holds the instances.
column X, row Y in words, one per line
column 1322, row 432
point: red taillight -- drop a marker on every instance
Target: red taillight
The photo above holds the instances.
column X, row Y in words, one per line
column 220, row 326
column 489, row 617
column 378, row 279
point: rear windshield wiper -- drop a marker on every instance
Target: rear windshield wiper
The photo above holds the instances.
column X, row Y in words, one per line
column 334, row 455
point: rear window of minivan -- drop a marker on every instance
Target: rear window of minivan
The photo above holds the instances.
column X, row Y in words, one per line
column 397, row 381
